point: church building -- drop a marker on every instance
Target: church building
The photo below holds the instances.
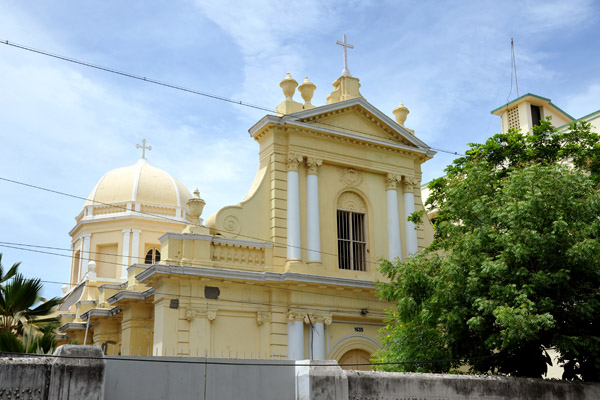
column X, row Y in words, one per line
column 288, row 272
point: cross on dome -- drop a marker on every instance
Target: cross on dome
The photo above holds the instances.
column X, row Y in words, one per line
column 143, row 147
column 346, row 46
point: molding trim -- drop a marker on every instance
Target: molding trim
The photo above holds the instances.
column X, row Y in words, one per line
column 163, row 269
column 130, row 295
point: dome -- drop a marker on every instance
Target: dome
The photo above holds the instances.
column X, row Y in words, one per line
column 140, row 183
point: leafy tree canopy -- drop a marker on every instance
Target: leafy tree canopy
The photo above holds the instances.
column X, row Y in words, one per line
column 514, row 269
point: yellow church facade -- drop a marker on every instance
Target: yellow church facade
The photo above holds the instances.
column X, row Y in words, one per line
column 289, row 272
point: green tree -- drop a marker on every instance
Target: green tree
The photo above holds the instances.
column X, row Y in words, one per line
column 25, row 321
column 514, row 269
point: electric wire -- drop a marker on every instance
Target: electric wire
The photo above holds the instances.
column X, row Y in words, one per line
column 143, row 266
column 176, row 87
column 167, row 218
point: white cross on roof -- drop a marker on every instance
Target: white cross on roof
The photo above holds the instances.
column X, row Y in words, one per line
column 345, row 45
column 143, row 147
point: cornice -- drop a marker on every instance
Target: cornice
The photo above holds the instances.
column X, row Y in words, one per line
column 216, row 239
column 130, row 295
column 72, row 326
column 100, row 312
column 360, row 140
column 128, row 215
column 160, row 269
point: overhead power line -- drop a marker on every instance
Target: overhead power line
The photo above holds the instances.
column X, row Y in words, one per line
column 174, row 86
column 166, row 218
column 21, row 246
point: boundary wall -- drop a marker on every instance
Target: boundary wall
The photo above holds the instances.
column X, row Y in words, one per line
column 84, row 373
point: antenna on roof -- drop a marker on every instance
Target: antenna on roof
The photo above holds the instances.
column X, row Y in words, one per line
column 512, row 48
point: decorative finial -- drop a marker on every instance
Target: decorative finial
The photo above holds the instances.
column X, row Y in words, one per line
column 288, row 85
column 401, row 112
column 307, row 90
column 196, row 205
column 143, row 147
column 346, row 46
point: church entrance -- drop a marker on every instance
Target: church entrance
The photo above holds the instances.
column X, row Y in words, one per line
column 358, row 357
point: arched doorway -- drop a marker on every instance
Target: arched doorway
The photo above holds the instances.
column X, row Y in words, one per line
column 356, row 359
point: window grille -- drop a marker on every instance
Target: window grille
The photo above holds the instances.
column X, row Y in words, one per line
column 152, row 256
column 351, row 240
column 513, row 118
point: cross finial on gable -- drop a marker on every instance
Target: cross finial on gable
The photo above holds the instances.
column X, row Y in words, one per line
column 143, row 147
column 346, row 46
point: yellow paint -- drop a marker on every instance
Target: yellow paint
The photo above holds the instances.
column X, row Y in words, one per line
column 352, row 148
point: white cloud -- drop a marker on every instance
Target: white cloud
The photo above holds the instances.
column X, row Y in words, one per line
column 584, row 103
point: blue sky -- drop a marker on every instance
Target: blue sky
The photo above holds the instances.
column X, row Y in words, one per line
column 63, row 126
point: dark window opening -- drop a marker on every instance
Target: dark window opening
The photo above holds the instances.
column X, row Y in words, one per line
column 351, row 240
column 536, row 115
column 152, row 256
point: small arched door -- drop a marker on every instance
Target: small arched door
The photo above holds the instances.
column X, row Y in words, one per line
column 356, row 359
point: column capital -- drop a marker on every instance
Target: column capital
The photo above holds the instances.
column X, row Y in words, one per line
column 126, row 230
column 391, row 181
column 314, row 318
column 136, row 231
column 295, row 316
column 262, row 317
column 293, row 160
column 410, row 183
column 313, row 164
column 86, row 235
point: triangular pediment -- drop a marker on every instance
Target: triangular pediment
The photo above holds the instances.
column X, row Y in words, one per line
column 360, row 119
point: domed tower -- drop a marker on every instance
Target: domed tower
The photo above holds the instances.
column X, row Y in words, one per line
column 121, row 221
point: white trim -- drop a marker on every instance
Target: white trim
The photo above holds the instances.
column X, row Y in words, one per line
column 135, row 245
column 125, row 252
column 330, row 350
column 129, row 215
column 176, row 190
column 313, row 234
column 293, row 217
column 294, row 117
column 136, row 179
column 393, row 225
column 284, row 277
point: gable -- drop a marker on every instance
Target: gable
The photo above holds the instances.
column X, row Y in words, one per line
column 358, row 118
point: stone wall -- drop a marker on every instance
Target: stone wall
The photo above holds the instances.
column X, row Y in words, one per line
column 72, row 372
column 406, row 386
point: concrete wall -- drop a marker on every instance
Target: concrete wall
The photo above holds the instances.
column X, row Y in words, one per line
column 83, row 373
column 144, row 378
column 72, row 373
column 405, row 386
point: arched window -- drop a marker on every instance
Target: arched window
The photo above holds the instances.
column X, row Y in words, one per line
column 351, row 233
column 152, row 256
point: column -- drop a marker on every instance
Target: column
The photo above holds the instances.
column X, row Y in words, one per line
column 125, row 260
column 135, row 247
column 313, row 228
column 412, row 245
column 295, row 334
column 85, row 253
column 393, row 222
column 293, row 209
